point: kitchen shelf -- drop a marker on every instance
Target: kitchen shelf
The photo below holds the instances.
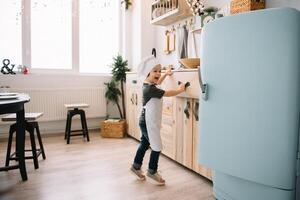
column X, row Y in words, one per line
column 169, row 11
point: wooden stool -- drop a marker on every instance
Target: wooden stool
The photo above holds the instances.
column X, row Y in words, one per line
column 76, row 111
column 30, row 125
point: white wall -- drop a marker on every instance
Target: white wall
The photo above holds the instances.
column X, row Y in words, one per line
column 139, row 33
column 39, row 81
column 52, row 80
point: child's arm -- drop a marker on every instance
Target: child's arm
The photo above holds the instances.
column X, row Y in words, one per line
column 167, row 73
column 170, row 93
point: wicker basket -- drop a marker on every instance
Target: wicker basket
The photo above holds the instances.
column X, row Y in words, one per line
column 113, row 129
column 239, row 6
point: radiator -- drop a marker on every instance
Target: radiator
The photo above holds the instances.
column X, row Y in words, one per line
column 51, row 101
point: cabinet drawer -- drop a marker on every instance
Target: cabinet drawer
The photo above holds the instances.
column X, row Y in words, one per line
column 193, row 91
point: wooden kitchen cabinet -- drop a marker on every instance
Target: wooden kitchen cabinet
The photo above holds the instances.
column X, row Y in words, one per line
column 133, row 105
column 187, row 135
column 168, row 127
column 200, row 169
column 184, row 132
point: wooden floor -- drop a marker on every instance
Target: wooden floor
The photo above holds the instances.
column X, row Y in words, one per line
column 97, row 170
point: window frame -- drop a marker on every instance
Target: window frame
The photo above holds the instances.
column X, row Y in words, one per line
column 26, row 41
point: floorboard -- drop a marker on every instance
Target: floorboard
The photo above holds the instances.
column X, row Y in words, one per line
column 98, row 169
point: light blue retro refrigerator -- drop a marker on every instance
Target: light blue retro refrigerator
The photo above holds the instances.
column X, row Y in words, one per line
column 249, row 110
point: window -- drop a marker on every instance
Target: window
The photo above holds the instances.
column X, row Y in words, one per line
column 98, row 34
column 11, row 31
column 60, row 35
column 51, row 34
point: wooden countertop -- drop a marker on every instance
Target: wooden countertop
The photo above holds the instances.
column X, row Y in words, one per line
column 176, row 70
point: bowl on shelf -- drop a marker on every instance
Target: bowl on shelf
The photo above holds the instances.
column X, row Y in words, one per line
column 190, row 63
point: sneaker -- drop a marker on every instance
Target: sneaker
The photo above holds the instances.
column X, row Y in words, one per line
column 157, row 178
column 139, row 173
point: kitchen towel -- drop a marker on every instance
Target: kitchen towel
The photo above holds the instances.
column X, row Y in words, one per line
column 192, row 47
column 182, row 41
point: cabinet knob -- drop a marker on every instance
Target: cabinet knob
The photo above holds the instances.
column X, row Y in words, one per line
column 187, row 84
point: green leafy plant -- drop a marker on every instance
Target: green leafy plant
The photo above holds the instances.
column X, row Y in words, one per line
column 119, row 69
column 127, row 3
column 113, row 93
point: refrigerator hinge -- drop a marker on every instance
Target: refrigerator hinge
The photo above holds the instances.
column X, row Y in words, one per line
column 298, row 164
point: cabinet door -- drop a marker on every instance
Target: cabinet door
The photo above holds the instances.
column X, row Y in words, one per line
column 168, row 128
column 130, row 111
column 206, row 172
column 133, row 104
column 137, row 110
column 184, row 133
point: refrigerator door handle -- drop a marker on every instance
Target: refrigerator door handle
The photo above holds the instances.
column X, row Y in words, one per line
column 204, row 87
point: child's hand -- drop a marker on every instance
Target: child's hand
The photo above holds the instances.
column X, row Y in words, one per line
column 169, row 70
column 181, row 87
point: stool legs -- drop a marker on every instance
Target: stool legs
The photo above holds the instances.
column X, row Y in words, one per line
column 68, row 130
column 40, row 140
column 69, row 123
column 84, row 126
column 29, row 127
column 12, row 129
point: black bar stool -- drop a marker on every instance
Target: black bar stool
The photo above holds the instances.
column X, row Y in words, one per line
column 30, row 125
column 73, row 109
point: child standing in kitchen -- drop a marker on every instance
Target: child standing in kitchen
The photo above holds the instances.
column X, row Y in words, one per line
column 149, row 70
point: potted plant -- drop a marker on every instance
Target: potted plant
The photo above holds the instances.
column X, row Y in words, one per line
column 119, row 69
column 112, row 94
column 112, row 127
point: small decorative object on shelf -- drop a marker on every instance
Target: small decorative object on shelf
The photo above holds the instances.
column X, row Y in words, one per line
column 196, row 6
column 239, row 6
column 26, row 70
column 6, row 69
column 209, row 14
column 127, row 3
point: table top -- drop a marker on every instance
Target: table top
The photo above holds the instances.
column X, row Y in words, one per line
column 21, row 98
column 14, row 105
